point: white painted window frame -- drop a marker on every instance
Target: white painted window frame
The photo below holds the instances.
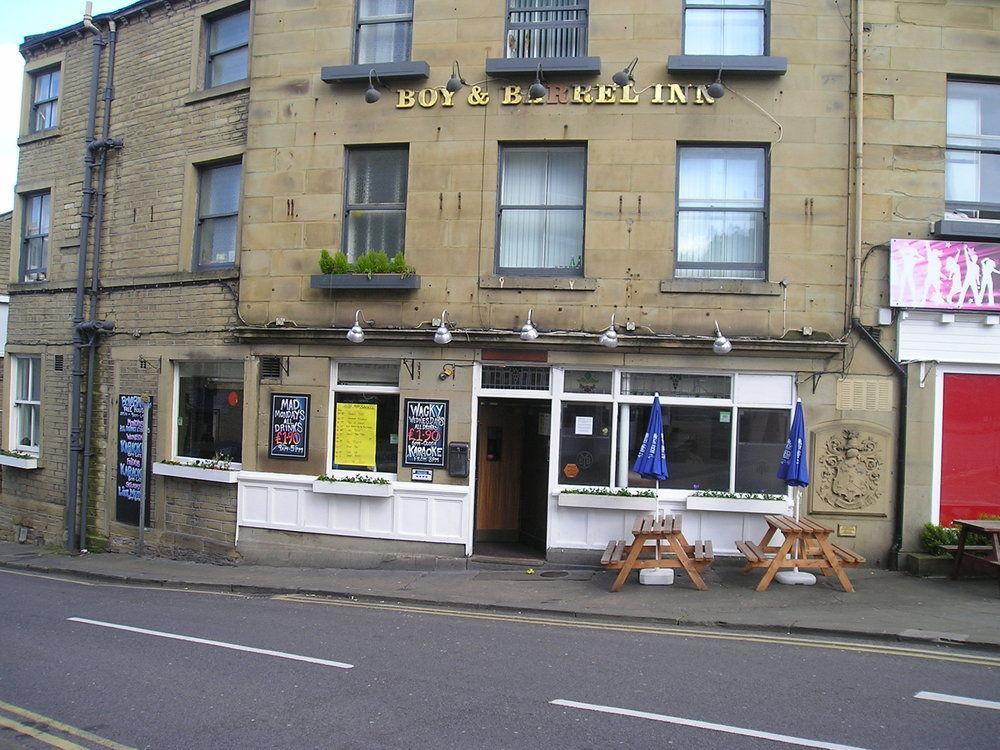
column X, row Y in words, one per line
column 363, row 389
column 35, row 362
column 175, row 414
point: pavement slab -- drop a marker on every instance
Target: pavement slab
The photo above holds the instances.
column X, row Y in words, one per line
column 885, row 604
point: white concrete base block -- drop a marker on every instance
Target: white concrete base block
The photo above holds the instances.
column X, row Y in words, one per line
column 656, row 576
column 793, row 577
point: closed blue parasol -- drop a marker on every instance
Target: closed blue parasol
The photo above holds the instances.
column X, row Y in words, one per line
column 651, row 463
column 794, row 470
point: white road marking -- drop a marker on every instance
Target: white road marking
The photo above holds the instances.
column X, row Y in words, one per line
column 801, row 742
column 220, row 644
column 924, row 695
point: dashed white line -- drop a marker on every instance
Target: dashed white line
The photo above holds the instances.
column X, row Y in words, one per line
column 725, row 728
column 220, row 644
column 925, row 695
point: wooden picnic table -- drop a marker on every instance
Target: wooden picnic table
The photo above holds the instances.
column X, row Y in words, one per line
column 806, row 544
column 965, row 553
column 669, row 549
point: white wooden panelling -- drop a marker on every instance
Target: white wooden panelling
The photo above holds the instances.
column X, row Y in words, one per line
column 922, row 336
column 427, row 513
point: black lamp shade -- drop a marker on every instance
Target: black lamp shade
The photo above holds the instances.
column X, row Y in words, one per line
column 621, row 78
column 537, row 90
column 372, row 95
column 716, row 90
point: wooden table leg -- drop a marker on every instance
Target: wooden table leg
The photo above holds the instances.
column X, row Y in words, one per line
column 776, row 562
column 633, row 555
column 960, row 552
column 676, row 544
column 838, row 569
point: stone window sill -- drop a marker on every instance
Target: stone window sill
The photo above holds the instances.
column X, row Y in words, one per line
column 236, row 87
column 509, row 66
column 541, row 283
column 958, row 229
column 745, row 65
column 409, row 70
column 720, row 286
column 43, row 135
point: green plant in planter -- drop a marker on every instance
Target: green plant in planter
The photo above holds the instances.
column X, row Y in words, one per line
column 334, row 264
column 609, row 492
column 934, row 537
column 372, row 262
column 740, row 495
column 353, row 479
column 398, row 265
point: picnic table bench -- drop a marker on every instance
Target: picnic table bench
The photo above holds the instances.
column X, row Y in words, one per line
column 806, row 545
column 669, row 549
column 972, row 553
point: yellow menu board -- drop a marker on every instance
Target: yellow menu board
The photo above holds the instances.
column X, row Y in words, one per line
column 354, row 438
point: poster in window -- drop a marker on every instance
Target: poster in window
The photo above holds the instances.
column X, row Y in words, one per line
column 426, row 433
column 133, row 475
column 289, row 426
column 354, row 435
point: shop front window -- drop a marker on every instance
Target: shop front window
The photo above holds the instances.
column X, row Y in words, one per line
column 210, row 411
column 760, row 441
column 365, row 417
column 585, row 444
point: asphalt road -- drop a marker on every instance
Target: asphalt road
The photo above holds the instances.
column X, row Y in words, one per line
column 424, row 679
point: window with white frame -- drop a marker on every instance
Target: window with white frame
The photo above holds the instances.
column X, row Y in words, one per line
column 717, row 436
column 228, row 47
column 725, row 27
column 35, row 236
column 383, row 31
column 365, row 398
column 210, row 411
column 546, row 28
column 26, row 400
column 375, row 202
column 541, row 210
column 721, row 212
column 972, row 170
column 44, row 113
column 218, row 215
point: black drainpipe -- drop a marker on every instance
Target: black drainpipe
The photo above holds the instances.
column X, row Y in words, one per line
column 897, row 516
column 75, row 442
column 103, row 146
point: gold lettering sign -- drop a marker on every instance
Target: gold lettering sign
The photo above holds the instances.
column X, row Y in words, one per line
column 513, row 95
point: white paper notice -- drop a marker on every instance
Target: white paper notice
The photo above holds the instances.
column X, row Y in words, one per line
column 584, row 425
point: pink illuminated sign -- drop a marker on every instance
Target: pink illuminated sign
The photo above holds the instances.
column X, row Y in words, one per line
column 944, row 275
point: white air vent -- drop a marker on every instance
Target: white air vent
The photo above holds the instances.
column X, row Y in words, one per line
column 864, row 394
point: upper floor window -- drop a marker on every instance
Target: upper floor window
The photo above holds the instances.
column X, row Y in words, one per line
column 725, row 27
column 546, row 28
column 383, row 31
column 35, row 236
column 210, row 411
column 541, row 210
column 44, row 100
column 218, row 215
column 375, row 203
column 26, row 399
column 721, row 212
column 228, row 48
column 972, row 173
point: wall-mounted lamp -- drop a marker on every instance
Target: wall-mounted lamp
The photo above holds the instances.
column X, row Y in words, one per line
column 625, row 76
column 456, row 82
column 528, row 330
column 357, row 334
column 442, row 335
column 537, row 90
column 717, row 90
column 372, row 95
column 721, row 345
column 610, row 337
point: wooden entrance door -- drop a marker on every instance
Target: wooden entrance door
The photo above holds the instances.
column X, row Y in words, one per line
column 498, row 471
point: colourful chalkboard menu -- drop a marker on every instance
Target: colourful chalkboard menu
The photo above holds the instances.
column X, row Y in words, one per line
column 426, row 433
column 131, row 487
column 289, row 426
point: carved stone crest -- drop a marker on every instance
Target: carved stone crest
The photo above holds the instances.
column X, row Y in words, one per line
column 851, row 471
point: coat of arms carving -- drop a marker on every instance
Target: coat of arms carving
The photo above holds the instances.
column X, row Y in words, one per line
column 851, row 474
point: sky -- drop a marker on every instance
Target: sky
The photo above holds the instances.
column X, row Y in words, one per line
column 18, row 19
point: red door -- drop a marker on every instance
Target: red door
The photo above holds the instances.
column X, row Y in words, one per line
column 970, row 447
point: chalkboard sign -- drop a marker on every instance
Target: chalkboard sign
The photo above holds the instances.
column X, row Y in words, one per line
column 426, row 433
column 131, row 487
column 289, row 426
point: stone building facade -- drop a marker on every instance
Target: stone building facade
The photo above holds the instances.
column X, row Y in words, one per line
column 712, row 184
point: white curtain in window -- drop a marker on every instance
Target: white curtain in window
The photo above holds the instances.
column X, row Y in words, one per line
column 737, row 29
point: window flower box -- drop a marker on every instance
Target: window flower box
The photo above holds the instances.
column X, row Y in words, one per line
column 353, row 487
column 738, row 503
column 18, row 460
column 364, row 281
column 225, row 474
column 607, row 501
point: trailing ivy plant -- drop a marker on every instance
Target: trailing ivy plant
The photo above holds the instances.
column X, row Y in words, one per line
column 353, row 479
column 218, row 462
column 17, row 454
column 739, row 495
column 609, row 492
